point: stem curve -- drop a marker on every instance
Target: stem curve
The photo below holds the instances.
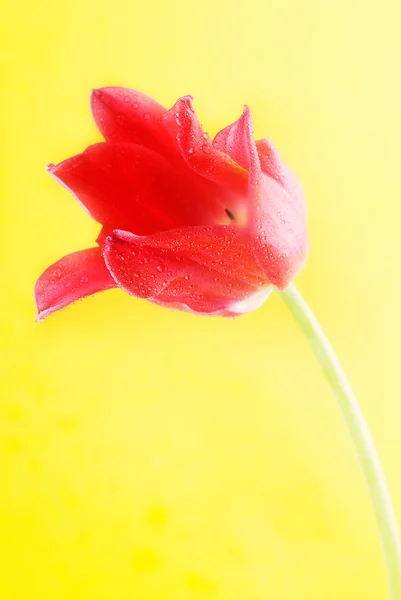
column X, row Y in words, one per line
column 359, row 432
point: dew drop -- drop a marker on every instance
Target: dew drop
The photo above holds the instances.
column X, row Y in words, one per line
column 146, row 116
column 135, row 106
column 57, row 273
column 84, row 279
column 190, row 150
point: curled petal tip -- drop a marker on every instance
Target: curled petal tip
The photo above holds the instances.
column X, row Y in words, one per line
column 187, row 101
column 246, row 116
column 121, row 235
column 41, row 316
column 95, row 97
column 97, row 93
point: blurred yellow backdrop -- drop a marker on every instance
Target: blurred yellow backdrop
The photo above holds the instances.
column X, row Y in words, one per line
column 153, row 455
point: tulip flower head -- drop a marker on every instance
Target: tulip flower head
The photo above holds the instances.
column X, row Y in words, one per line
column 195, row 224
column 204, row 226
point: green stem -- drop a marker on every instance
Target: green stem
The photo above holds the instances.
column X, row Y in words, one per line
column 359, row 432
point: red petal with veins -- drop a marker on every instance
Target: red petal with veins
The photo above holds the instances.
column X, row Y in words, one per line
column 73, row 277
column 130, row 187
column 175, row 272
column 197, row 149
column 222, row 248
column 124, row 115
column 280, row 242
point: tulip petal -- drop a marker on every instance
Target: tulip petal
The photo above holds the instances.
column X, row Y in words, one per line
column 280, row 240
column 222, row 248
column 73, row 277
column 198, row 151
column 273, row 165
column 232, row 140
column 124, row 115
column 163, row 269
column 130, row 187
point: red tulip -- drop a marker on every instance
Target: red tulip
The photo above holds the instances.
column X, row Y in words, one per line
column 206, row 226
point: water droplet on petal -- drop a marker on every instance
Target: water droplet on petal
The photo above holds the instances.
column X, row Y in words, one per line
column 84, row 279
column 146, row 116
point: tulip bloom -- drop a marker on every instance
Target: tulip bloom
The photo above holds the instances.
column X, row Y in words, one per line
column 206, row 226
column 201, row 225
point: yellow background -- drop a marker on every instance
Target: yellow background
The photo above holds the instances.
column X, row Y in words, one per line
column 152, row 455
